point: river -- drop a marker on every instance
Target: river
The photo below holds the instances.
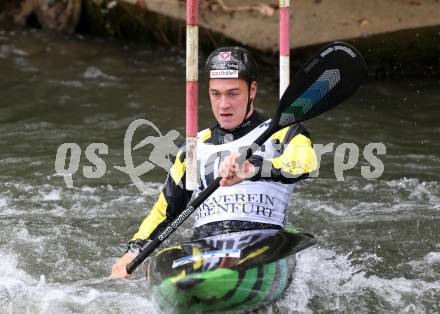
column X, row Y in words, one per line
column 378, row 245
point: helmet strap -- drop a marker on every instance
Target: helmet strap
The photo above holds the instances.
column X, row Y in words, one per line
column 249, row 102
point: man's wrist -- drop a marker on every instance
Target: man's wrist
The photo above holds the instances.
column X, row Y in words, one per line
column 136, row 246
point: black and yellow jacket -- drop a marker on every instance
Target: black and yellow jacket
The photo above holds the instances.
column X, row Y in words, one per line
column 294, row 162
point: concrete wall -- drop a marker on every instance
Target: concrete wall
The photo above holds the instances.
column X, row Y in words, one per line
column 255, row 23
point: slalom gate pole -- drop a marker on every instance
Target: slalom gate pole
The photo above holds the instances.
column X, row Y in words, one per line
column 192, row 58
column 284, row 43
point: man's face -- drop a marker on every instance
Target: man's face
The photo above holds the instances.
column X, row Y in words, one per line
column 229, row 99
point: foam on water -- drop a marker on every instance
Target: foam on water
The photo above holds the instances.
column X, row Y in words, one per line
column 316, row 206
column 367, row 198
column 427, row 267
column 68, row 83
column 19, row 197
column 20, row 292
column 366, row 262
column 326, row 282
column 93, row 73
column 10, row 50
column 421, row 191
column 3, row 202
column 53, row 195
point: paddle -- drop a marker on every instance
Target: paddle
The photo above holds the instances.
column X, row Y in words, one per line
column 332, row 75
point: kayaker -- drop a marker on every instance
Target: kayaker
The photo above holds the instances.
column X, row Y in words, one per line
column 253, row 195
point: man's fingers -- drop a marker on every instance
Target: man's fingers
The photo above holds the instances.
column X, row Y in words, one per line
column 226, row 182
column 119, row 272
column 230, row 170
column 224, row 170
column 232, row 173
column 227, row 167
column 119, row 268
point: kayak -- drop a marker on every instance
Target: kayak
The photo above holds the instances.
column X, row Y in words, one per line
column 240, row 271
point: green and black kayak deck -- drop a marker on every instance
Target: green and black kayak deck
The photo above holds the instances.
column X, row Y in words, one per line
column 240, row 271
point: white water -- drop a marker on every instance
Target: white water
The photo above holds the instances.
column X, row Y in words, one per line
column 56, row 257
column 379, row 245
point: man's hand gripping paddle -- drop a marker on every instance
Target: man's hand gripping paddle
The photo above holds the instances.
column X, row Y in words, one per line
column 332, row 75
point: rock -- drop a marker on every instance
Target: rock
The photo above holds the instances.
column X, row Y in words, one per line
column 59, row 15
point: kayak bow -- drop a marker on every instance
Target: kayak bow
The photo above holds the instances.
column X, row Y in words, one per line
column 238, row 271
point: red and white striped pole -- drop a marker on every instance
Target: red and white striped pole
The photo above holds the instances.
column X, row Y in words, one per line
column 192, row 76
column 284, row 45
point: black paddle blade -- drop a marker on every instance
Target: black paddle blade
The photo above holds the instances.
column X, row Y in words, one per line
column 332, row 75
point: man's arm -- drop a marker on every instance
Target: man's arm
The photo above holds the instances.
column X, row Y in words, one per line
column 171, row 201
column 295, row 158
